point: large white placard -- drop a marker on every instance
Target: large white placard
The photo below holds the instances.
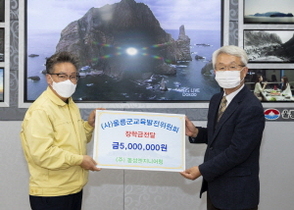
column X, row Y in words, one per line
column 139, row 140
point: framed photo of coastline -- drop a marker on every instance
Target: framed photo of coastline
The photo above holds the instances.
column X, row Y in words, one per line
column 268, row 12
column 2, row 11
column 269, row 46
column 4, row 52
column 159, row 55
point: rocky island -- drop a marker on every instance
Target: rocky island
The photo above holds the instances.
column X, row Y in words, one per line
column 273, row 14
column 100, row 39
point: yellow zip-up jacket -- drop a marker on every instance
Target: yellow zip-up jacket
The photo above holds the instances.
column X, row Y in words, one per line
column 54, row 139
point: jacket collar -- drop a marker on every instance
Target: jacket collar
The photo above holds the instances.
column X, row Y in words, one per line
column 55, row 99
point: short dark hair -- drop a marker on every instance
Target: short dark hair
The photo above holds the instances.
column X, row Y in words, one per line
column 61, row 57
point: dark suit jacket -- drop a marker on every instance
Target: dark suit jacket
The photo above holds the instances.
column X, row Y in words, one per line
column 231, row 164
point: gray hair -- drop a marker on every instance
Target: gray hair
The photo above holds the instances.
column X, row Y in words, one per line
column 230, row 50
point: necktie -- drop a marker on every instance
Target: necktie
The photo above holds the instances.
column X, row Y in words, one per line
column 222, row 107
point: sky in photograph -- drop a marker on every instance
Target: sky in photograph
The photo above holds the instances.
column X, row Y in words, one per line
column 284, row 35
column 52, row 16
column 262, row 6
column 1, row 80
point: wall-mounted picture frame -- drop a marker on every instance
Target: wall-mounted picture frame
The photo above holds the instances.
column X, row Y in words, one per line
column 2, row 11
column 269, row 46
column 271, row 85
column 268, row 43
column 268, row 12
column 1, row 84
column 2, row 44
column 4, row 52
column 160, row 76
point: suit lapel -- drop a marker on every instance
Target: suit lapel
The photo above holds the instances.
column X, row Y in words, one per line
column 214, row 108
column 233, row 106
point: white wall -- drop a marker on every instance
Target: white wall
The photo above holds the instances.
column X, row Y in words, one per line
column 277, row 167
column 144, row 190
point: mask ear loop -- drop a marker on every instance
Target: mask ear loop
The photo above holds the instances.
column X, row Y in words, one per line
column 240, row 73
column 52, row 80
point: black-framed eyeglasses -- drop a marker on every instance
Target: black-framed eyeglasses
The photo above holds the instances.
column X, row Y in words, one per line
column 63, row 76
column 232, row 67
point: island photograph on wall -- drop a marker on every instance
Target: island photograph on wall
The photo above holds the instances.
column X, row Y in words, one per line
column 268, row 12
column 129, row 50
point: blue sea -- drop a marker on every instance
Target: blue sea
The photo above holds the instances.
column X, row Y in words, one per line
column 187, row 85
column 268, row 20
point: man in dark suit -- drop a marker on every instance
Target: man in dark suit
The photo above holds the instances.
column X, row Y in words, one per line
column 233, row 136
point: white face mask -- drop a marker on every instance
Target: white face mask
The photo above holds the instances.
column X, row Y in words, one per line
column 65, row 89
column 228, row 79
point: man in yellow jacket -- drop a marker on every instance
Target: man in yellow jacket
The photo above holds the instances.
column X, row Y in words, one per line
column 54, row 139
